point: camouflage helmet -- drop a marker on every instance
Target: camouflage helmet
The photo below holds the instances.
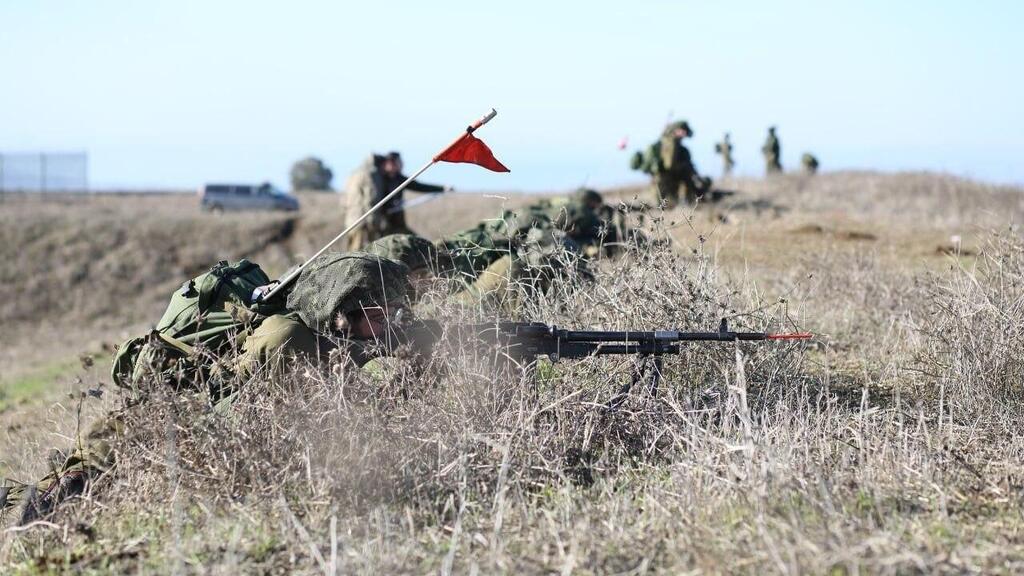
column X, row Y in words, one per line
column 670, row 130
column 586, row 196
column 345, row 282
column 414, row 251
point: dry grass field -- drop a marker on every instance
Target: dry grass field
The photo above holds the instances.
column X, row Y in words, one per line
column 889, row 444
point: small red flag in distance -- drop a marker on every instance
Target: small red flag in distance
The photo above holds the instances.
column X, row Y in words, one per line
column 471, row 150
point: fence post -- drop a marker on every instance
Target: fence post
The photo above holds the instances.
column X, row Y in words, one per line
column 42, row 172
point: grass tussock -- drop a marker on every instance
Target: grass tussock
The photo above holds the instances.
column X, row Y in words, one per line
column 971, row 353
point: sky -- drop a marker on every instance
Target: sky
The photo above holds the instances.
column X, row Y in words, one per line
column 172, row 94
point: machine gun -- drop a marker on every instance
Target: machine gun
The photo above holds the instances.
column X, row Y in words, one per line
column 526, row 341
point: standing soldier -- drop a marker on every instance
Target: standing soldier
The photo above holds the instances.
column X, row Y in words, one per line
column 670, row 165
column 361, row 193
column 724, row 149
column 369, row 184
column 772, row 153
column 809, row 163
column 394, row 210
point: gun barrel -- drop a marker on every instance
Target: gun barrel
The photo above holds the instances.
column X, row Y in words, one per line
column 657, row 336
column 530, row 338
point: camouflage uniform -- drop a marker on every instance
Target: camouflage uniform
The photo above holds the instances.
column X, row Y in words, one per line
column 277, row 342
column 531, row 268
column 361, row 192
column 529, row 252
column 673, row 167
column 368, row 185
column 724, row 149
column 471, row 251
column 772, row 153
column 394, row 213
column 809, row 163
column 581, row 218
column 416, row 252
column 333, row 284
column 69, row 472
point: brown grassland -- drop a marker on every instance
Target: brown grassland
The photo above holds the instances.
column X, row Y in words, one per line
column 889, row 444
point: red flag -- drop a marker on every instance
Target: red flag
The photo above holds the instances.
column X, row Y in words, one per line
column 472, row 150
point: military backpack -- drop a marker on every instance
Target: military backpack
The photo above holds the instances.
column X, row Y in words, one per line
column 207, row 315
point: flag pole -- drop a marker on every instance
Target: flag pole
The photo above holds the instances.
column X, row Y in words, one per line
column 290, row 277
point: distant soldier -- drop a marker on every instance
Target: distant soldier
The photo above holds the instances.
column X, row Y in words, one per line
column 670, row 166
column 772, row 152
column 724, row 149
column 369, row 184
column 809, row 163
column 581, row 218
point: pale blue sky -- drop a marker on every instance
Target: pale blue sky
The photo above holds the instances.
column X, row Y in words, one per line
column 175, row 93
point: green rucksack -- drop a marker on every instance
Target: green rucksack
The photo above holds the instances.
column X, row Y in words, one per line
column 204, row 317
column 647, row 161
column 636, row 161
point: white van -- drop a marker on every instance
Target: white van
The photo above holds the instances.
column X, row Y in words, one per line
column 224, row 197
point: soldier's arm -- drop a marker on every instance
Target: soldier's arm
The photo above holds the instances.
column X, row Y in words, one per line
column 684, row 164
column 416, row 186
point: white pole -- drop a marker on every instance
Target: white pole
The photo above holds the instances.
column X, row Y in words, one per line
column 291, row 276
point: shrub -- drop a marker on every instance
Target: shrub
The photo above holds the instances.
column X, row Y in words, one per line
column 311, row 174
column 972, row 351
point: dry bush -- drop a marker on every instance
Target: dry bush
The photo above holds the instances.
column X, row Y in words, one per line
column 971, row 353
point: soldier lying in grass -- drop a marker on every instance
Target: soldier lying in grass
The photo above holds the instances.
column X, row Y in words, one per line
column 342, row 304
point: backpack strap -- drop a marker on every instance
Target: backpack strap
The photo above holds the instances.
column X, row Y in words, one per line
column 175, row 343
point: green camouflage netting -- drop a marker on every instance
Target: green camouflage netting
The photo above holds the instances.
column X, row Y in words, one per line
column 337, row 282
column 414, row 251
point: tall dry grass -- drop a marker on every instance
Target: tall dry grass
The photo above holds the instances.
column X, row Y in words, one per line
column 746, row 460
column 971, row 349
column 889, row 445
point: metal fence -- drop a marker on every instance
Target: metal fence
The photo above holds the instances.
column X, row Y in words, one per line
column 44, row 172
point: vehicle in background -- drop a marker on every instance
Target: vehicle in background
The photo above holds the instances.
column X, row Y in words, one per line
column 227, row 197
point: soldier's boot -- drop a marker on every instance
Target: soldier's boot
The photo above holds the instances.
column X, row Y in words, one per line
column 12, row 497
column 40, row 504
